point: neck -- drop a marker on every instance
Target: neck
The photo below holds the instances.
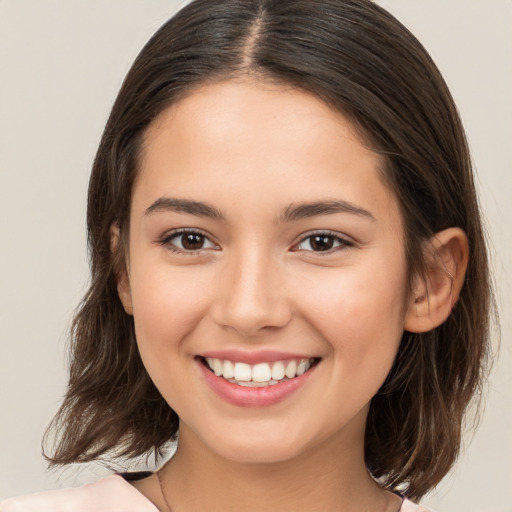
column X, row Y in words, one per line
column 330, row 477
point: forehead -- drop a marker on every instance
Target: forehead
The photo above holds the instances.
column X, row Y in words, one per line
column 264, row 142
column 216, row 109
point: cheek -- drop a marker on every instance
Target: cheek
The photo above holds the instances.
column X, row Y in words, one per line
column 167, row 305
column 360, row 314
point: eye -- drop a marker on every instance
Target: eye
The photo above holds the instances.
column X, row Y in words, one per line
column 188, row 241
column 322, row 242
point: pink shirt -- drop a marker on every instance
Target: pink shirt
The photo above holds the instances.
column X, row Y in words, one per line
column 110, row 494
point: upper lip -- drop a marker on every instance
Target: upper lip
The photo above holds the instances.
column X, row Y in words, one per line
column 253, row 357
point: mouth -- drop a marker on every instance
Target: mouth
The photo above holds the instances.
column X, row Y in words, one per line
column 259, row 375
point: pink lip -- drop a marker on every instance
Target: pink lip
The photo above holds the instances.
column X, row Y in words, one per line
column 253, row 357
column 252, row 397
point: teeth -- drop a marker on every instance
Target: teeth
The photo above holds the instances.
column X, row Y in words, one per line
column 258, row 375
column 217, row 367
column 229, row 370
column 301, row 368
column 242, row 372
column 278, row 371
column 261, row 372
column 291, row 369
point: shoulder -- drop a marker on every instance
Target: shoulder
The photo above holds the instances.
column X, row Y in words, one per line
column 110, row 494
column 409, row 506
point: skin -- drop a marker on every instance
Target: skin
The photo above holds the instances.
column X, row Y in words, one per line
column 252, row 150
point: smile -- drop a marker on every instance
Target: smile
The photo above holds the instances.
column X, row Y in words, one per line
column 261, row 374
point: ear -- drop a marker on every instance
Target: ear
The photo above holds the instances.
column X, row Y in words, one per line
column 434, row 296
column 122, row 271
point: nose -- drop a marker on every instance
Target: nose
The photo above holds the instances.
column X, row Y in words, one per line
column 251, row 296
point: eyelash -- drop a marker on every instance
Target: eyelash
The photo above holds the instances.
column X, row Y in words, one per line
column 343, row 242
column 166, row 241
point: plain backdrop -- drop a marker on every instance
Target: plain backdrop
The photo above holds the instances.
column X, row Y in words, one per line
column 61, row 65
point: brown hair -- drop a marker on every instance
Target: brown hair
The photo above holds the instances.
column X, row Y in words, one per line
column 362, row 61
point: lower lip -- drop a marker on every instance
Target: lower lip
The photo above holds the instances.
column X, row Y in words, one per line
column 244, row 396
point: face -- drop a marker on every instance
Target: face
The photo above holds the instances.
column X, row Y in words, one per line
column 266, row 271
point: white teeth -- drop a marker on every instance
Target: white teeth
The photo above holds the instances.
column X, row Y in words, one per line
column 261, row 374
column 301, row 368
column 252, row 384
column 242, row 372
column 218, row 367
column 291, row 369
column 278, row 371
column 229, row 370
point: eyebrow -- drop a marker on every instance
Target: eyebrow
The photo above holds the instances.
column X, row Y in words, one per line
column 291, row 213
column 185, row 206
column 314, row 209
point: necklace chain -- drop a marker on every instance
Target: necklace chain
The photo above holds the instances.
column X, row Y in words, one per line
column 162, row 490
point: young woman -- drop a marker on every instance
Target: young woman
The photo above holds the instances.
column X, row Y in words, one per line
column 289, row 275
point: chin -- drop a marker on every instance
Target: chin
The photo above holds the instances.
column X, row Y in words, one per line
column 261, row 447
column 258, row 454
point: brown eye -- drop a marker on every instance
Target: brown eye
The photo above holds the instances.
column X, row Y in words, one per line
column 192, row 241
column 323, row 242
column 188, row 241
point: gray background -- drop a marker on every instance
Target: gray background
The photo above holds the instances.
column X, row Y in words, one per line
column 61, row 65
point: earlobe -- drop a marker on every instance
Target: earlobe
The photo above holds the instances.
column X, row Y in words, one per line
column 434, row 296
column 121, row 269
